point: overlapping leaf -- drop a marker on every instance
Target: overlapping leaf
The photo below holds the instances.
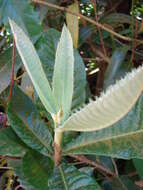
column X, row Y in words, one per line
column 10, row 144
column 47, row 51
column 63, row 73
column 122, row 140
column 24, row 15
column 5, row 68
column 37, row 170
column 110, row 107
column 25, row 121
column 69, row 178
column 34, row 67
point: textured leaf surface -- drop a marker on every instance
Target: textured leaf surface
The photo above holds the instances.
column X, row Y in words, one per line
column 37, row 169
column 10, row 144
column 47, row 53
column 25, row 121
column 73, row 22
column 5, row 68
column 110, row 107
column 24, row 15
column 122, row 140
column 69, row 178
column 34, row 67
column 63, row 73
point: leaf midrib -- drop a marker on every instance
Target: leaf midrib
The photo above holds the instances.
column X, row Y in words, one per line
column 39, row 139
column 102, row 139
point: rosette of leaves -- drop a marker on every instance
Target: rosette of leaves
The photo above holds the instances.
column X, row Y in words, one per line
column 111, row 125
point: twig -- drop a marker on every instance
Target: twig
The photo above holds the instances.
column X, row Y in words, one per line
column 89, row 20
column 11, row 157
column 12, row 71
column 98, row 28
column 115, row 166
column 97, row 166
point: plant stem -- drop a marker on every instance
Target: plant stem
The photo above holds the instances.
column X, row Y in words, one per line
column 57, row 147
column 88, row 20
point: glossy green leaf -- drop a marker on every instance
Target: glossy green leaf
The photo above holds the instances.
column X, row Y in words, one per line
column 37, row 170
column 10, row 144
column 63, row 73
column 17, row 168
column 138, row 165
column 69, row 178
column 25, row 121
column 110, row 107
column 24, row 15
column 5, row 67
column 34, row 67
column 47, row 51
column 115, row 64
column 122, row 140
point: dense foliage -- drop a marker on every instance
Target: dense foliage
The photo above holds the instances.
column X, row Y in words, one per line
column 56, row 58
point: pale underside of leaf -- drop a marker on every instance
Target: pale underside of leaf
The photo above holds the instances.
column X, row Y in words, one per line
column 33, row 66
column 63, row 73
column 110, row 107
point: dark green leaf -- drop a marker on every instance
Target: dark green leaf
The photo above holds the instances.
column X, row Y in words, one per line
column 17, row 168
column 25, row 121
column 69, row 178
column 114, row 67
column 138, row 163
column 37, row 169
column 5, row 67
column 122, row 140
column 10, row 144
column 24, row 15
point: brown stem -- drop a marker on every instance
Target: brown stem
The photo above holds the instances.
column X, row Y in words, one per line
column 89, row 20
column 57, row 148
column 12, row 71
column 106, row 172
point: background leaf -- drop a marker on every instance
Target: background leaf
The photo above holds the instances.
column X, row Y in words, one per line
column 37, row 170
column 68, row 177
column 73, row 22
column 25, row 121
column 114, row 67
column 5, row 67
column 10, row 144
column 24, row 15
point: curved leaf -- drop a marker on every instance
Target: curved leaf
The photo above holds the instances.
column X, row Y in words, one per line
column 47, row 53
column 63, row 73
column 34, row 67
column 25, row 121
column 116, row 61
column 110, row 107
column 24, row 15
column 5, row 67
column 37, row 170
column 69, row 178
column 10, row 144
column 122, row 140
column 73, row 22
